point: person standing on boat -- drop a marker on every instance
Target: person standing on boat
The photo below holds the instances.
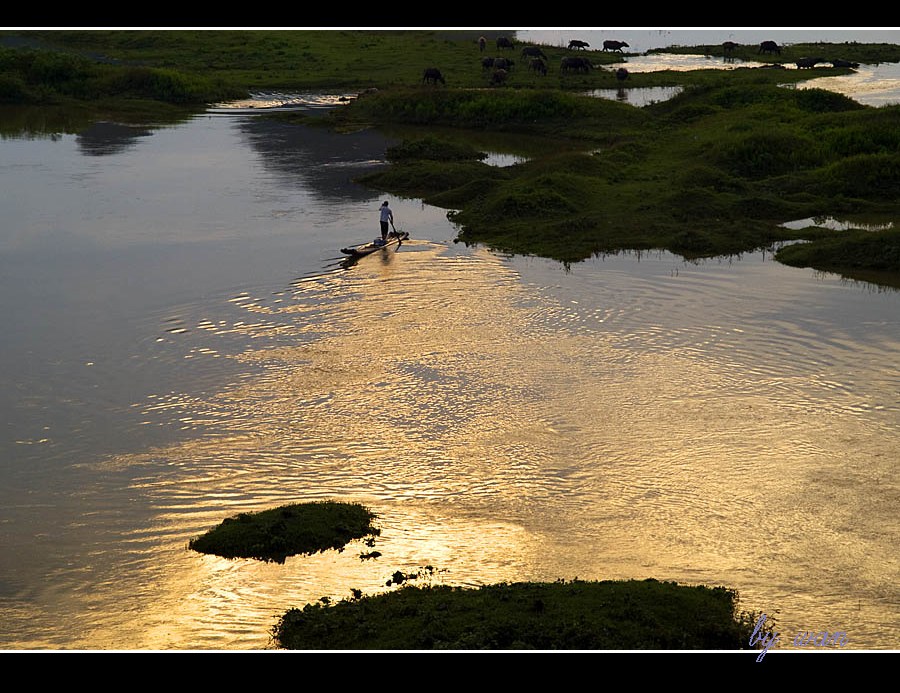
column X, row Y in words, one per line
column 387, row 217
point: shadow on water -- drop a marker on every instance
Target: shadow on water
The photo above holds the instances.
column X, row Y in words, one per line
column 52, row 122
column 41, row 122
column 103, row 138
column 323, row 161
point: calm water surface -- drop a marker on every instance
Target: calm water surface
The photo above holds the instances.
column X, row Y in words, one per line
column 182, row 343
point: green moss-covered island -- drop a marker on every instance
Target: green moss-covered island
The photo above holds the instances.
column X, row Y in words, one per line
column 577, row 615
column 289, row 530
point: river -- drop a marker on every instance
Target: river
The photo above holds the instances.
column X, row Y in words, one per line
column 183, row 343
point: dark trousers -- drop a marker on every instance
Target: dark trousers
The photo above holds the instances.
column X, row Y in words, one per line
column 384, row 230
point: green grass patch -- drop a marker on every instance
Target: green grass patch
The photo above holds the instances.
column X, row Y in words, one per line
column 433, row 149
column 847, row 252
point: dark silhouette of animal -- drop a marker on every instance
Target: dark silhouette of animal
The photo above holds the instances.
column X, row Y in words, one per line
column 533, row 52
column 538, row 66
column 577, row 45
column 433, row 75
column 499, row 77
column 843, row 63
column 482, row 44
column 503, row 64
column 728, row 47
column 572, row 64
column 769, row 47
column 487, row 63
column 621, row 74
column 614, row 45
column 503, row 42
column 808, row 62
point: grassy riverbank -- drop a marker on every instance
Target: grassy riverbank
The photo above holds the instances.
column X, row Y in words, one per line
column 701, row 175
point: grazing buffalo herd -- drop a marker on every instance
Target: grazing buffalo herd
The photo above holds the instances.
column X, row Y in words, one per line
column 534, row 59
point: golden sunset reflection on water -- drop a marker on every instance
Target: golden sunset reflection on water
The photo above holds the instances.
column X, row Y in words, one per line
column 502, row 433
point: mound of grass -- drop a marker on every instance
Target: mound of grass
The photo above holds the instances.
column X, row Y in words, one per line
column 607, row 615
column 273, row 535
column 847, row 251
column 427, row 178
column 431, row 148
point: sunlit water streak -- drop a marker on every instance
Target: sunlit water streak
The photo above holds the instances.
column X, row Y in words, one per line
column 506, row 420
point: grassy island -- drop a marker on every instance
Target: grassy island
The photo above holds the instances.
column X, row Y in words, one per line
column 578, row 615
column 302, row 528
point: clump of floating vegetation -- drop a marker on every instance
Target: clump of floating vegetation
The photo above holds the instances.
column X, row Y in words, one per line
column 273, row 535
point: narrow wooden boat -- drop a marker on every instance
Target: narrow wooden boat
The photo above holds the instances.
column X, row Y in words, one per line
column 395, row 239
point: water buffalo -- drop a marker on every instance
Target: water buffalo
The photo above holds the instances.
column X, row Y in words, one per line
column 499, row 77
column 808, row 62
column 576, row 45
column 487, row 63
column 843, row 63
column 769, row 47
column 728, row 47
column 503, row 64
column 433, row 75
column 533, row 52
column 614, row 45
column 504, row 42
column 538, row 66
column 621, row 74
column 571, row 64
column 482, row 44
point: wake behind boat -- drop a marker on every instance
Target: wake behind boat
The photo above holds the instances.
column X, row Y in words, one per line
column 395, row 238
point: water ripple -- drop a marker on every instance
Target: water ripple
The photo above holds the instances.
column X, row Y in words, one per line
column 628, row 417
